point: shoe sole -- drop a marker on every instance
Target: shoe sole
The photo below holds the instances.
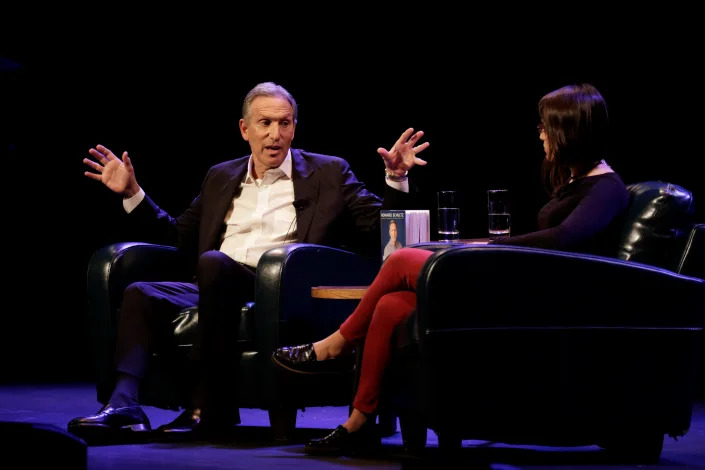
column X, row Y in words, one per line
column 105, row 428
column 367, row 451
column 278, row 363
column 105, row 435
column 319, row 452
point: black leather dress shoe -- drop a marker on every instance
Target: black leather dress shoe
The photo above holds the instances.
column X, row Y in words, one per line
column 110, row 420
column 302, row 360
column 190, row 425
column 186, row 422
column 341, row 442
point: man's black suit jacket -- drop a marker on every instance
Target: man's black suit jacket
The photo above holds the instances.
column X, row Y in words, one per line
column 333, row 207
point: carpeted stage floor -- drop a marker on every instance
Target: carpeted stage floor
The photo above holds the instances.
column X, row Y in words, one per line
column 53, row 405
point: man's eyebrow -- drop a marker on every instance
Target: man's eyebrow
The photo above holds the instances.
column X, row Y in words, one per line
column 272, row 118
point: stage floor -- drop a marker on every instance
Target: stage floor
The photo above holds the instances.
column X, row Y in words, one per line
column 56, row 404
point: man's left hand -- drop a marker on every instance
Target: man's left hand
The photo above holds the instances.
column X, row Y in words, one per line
column 402, row 156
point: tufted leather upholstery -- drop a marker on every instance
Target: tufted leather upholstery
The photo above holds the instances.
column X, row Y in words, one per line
column 282, row 313
column 559, row 348
column 656, row 225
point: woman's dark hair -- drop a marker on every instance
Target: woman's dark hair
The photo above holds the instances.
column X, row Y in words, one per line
column 576, row 124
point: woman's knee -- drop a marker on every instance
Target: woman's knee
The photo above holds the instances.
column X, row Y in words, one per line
column 399, row 255
column 393, row 308
column 405, row 257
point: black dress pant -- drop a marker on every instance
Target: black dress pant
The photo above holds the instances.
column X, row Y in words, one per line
column 148, row 308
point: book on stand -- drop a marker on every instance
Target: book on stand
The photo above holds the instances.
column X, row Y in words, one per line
column 401, row 228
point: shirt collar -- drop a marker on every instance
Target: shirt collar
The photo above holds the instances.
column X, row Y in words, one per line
column 285, row 168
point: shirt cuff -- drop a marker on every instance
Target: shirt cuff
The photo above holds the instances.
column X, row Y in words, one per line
column 402, row 186
column 131, row 202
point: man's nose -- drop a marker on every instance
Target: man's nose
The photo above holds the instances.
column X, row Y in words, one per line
column 274, row 131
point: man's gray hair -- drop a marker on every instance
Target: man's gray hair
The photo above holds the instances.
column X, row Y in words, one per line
column 268, row 89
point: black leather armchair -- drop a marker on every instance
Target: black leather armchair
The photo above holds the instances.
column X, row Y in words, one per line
column 281, row 313
column 531, row 346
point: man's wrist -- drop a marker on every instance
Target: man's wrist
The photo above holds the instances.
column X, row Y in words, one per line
column 131, row 191
column 395, row 178
column 130, row 203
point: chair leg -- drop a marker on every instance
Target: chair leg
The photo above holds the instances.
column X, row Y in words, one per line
column 387, row 423
column 413, row 433
column 449, row 441
column 638, row 447
column 282, row 422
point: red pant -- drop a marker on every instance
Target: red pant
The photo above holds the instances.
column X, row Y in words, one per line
column 389, row 300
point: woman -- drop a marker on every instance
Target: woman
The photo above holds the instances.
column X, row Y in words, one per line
column 583, row 215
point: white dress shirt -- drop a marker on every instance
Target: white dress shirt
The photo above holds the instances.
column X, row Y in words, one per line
column 263, row 216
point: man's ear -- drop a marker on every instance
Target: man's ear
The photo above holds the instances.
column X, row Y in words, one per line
column 244, row 129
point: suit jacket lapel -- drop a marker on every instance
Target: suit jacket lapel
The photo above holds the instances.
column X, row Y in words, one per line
column 306, row 189
column 220, row 201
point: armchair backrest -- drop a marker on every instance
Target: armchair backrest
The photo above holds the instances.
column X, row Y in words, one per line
column 657, row 224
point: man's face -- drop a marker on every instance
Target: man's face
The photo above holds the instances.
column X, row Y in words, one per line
column 393, row 232
column 269, row 129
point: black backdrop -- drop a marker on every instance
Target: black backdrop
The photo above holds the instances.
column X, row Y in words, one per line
column 175, row 106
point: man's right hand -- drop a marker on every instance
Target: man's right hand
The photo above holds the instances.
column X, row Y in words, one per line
column 116, row 174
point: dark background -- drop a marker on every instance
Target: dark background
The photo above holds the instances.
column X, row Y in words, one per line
column 174, row 103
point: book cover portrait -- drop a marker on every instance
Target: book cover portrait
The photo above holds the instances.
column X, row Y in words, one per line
column 402, row 228
column 397, row 235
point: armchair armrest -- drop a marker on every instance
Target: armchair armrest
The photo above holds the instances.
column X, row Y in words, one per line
column 528, row 287
column 283, row 300
column 436, row 246
column 110, row 270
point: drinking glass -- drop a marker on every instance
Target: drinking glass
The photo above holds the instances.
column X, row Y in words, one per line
column 448, row 216
column 499, row 219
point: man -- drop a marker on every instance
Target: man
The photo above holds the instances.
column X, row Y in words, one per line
column 393, row 244
column 246, row 206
